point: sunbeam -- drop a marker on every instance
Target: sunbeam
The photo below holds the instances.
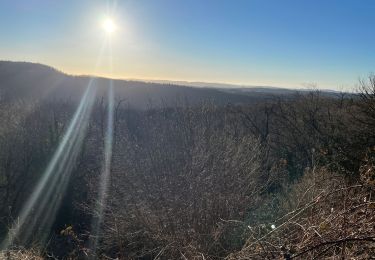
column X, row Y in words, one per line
column 46, row 197
column 54, row 178
column 105, row 173
column 46, row 209
column 106, row 168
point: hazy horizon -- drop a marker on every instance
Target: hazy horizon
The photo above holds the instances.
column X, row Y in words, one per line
column 177, row 82
column 204, row 84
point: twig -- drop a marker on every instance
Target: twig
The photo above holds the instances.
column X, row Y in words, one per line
column 369, row 239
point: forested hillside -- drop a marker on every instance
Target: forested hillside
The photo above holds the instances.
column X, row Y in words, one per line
column 30, row 81
column 195, row 173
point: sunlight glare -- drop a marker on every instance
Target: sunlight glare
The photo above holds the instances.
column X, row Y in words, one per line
column 109, row 26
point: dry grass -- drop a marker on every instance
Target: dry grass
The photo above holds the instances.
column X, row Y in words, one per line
column 20, row 255
column 329, row 218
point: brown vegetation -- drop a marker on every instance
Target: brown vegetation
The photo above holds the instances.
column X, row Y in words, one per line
column 284, row 178
column 20, row 255
column 323, row 215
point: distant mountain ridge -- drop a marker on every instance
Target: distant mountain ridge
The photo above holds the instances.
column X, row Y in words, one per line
column 33, row 81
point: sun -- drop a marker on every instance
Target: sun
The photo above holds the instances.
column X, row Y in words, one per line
column 109, row 26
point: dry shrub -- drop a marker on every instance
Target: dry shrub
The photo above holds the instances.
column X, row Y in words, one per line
column 20, row 255
column 328, row 217
column 176, row 191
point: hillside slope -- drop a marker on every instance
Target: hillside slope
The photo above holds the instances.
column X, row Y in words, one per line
column 35, row 81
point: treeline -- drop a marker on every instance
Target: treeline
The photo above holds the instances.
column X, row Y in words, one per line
column 200, row 182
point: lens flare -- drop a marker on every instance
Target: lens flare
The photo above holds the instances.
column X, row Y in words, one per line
column 106, row 168
column 38, row 213
column 49, row 191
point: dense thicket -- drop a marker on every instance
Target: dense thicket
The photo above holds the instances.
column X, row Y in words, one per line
column 202, row 181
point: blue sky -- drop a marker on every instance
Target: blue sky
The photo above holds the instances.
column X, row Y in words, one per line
column 255, row 42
